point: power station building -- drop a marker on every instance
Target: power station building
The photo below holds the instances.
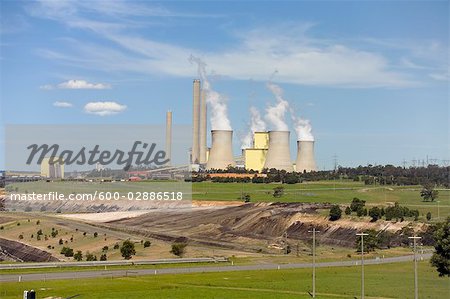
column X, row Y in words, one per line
column 269, row 149
column 52, row 170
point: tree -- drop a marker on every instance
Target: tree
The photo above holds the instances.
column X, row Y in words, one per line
column 95, row 235
column 103, row 257
column 67, row 251
column 178, row 249
column 370, row 241
column 375, row 213
column 428, row 193
column 278, row 192
column 357, row 204
column 78, row 256
column 90, row 257
column 127, row 249
column 348, row 211
column 441, row 256
column 147, row 244
column 335, row 213
column 428, row 216
column 105, row 248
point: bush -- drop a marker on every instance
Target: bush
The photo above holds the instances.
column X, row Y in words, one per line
column 278, row 192
column 147, row 244
column 103, row 257
column 61, row 241
column 20, row 237
column 375, row 213
column 78, row 256
column 116, row 246
column 357, row 204
column 335, row 213
column 67, row 251
column 178, row 249
column 90, row 257
column 127, row 249
column 105, row 248
column 95, row 235
column 429, row 216
column 348, row 211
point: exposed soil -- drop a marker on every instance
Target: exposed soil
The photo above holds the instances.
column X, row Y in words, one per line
column 16, row 251
column 250, row 227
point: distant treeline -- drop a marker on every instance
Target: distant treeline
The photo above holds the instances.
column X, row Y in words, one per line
column 370, row 175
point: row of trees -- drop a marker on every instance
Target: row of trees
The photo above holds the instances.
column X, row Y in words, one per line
column 395, row 212
column 370, row 175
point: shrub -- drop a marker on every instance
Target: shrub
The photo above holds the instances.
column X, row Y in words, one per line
column 78, row 256
column 335, row 213
column 147, row 244
column 67, row 251
column 178, row 249
column 127, row 249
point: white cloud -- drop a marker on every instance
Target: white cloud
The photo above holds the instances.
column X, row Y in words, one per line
column 440, row 76
column 62, row 104
column 82, row 84
column 104, row 108
column 76, row 84
column 298, row 57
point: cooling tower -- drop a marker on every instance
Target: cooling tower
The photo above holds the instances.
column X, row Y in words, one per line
column 195, row 122
column 169, row 136
column 305, row 156
column 278, row 156
column 203, row 128
column 221, row 152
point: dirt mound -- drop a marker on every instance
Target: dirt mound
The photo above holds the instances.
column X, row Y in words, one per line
column 16, row 251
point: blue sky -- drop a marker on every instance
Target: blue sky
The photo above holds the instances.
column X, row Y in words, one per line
column 371, row 76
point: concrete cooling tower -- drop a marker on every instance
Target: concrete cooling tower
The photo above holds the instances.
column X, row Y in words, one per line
column 221, row 152
column 305, row 156
column 278, row 156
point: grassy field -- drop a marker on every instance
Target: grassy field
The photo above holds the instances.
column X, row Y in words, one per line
column 382, row 281
column 340, row 192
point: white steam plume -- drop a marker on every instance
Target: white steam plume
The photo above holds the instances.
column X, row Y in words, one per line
column 219, row 111
column 275, row 114
column 303, row 128
column 257, row 124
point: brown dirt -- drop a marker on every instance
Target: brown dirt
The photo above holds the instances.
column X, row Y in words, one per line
column 16, row 251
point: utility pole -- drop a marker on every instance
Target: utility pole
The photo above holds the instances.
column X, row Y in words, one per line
column 314, row 231
column 416, row 285
column 362, row 262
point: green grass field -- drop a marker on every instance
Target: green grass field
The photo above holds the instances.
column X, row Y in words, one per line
column 382, row 281
column 341, row 192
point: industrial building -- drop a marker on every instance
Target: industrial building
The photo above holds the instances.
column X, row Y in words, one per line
column 269, row 149
column 53, row 170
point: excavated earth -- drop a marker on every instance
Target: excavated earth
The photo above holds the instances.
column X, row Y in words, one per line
column 16, row 251
column 247, row 226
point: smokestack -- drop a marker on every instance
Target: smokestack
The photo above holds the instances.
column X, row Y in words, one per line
column 278, row 156
column 195, row 122
column 305, row 156
column 203, row 127
column 221, row 152
column 169, row 136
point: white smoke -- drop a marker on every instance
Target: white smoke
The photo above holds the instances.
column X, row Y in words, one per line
column 275, row 114
column 219, row 111
column 303, row 128
column 257, row 124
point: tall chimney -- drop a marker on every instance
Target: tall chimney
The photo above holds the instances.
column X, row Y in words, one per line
column 221, row 152
column 278, row 156
column 305, row 156
column 169, row 136
column 203, row 127
column 195, row 122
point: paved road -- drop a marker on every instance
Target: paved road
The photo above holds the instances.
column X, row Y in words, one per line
column 137, row 272
column 110, row 263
